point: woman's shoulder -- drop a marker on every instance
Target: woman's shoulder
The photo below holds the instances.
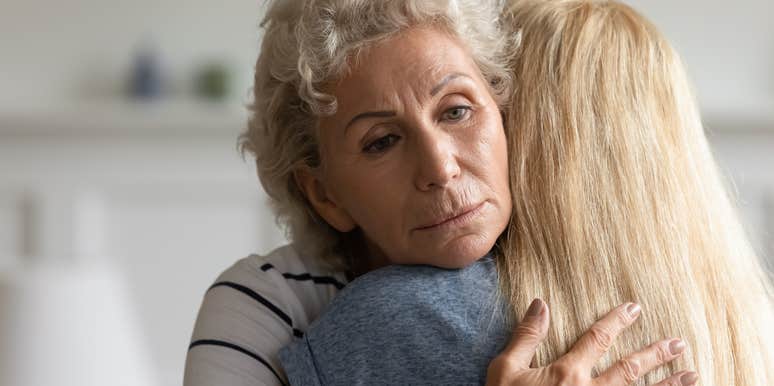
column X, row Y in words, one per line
column 290, row 284
column 286, row 258
column 402, row 310
column 409, row 280
column 254, row 307
column 412, row 290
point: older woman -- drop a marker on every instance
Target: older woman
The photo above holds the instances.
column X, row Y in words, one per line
column 377, row 132
column 372, row 153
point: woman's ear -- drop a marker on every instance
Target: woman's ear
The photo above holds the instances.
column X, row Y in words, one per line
column 322, row 202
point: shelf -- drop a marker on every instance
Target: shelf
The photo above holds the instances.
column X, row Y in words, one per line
column 741, row 124
column 756, row 116
column 126, row 118
column 201, row 118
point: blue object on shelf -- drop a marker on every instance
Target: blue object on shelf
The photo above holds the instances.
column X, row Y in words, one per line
column 146, row 76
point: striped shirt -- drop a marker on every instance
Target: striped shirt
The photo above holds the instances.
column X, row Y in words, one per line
column 254, row 308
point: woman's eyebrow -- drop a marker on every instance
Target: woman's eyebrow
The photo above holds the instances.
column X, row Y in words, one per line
column 392, row 113
column 369, row 114
column 445, row 80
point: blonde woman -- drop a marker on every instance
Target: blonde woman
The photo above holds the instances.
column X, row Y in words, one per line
column 401, row 157
column 616, row 196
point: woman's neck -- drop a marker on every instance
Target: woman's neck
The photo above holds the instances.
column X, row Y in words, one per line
column 364, row 257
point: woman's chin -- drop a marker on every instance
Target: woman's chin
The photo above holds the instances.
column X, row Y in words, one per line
column 458, row 253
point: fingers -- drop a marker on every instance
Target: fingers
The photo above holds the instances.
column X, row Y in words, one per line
column 527, row 336
column 683, row 378
column 598, row 339
column 628, row 369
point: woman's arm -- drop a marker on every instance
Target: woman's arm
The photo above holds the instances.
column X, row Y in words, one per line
column 253, row 309
column 236, row 338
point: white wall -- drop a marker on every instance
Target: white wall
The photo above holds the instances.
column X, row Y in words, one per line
column 53, row 51
column 728, row 47
column 169, row 214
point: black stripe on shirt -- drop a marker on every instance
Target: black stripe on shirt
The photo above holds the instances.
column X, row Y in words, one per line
column 213, row 342
column 247, row 291
column 306, row 276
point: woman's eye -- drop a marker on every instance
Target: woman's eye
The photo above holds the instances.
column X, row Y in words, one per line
column 381, row 144
column 456, row 113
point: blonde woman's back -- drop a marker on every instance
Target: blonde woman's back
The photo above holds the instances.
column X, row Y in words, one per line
column 617, row 197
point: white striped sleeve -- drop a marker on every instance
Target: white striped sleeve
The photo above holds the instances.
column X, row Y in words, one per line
column 253, row 309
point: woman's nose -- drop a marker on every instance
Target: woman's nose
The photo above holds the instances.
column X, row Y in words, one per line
column 436, row 160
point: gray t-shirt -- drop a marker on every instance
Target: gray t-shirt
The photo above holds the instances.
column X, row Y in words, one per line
column 405, row 324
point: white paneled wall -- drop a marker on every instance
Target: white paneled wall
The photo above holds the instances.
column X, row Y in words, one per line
column 169, row 212
column 767, row 239
column 171, row 240
column 747, row 157
column 10, row 224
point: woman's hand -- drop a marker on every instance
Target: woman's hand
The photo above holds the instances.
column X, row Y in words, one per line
column 511, row 367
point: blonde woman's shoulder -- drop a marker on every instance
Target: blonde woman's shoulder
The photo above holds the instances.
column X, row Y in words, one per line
column 253, row 309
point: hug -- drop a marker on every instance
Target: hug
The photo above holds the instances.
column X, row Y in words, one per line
column 502, row 192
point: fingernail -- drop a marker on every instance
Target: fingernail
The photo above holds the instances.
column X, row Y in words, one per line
column 689, row 379
column 633, row 309
column 535, row 307
column 676, row 346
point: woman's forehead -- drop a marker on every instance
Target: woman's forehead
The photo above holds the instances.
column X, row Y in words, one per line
column 414, row 61
column 418, row 53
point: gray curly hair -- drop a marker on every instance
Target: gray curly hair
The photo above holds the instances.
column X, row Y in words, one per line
column 308, row 43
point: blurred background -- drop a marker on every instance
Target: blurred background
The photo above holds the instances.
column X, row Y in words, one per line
column 122, row 194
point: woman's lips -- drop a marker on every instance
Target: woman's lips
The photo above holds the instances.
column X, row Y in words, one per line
column 459, row 219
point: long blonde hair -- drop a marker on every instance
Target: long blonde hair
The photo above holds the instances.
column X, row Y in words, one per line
column 617, row 197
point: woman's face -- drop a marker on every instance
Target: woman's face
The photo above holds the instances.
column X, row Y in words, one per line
column 415, row 155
